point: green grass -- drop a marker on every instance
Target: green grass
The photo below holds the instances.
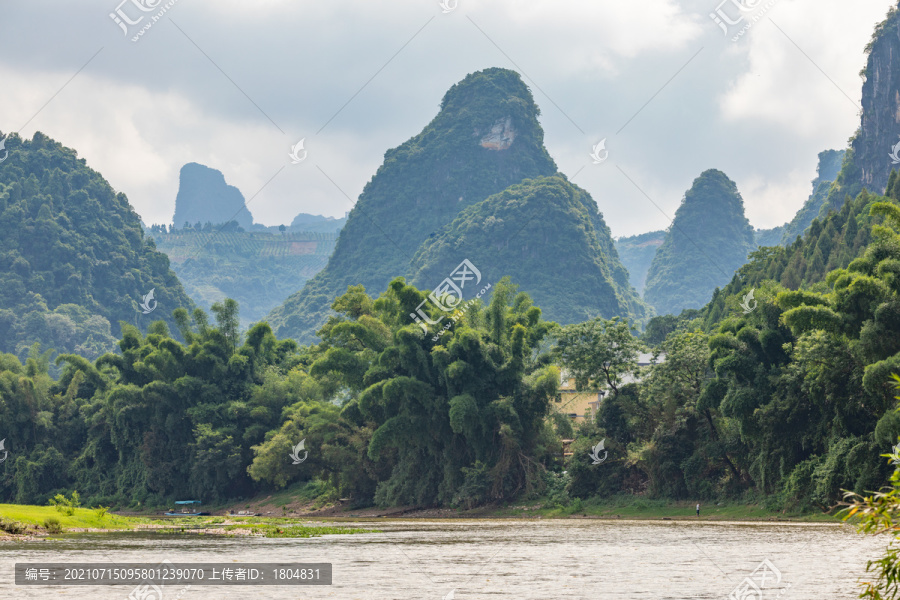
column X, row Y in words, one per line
column 28, row 519
column 83, row 517
column 630, row 507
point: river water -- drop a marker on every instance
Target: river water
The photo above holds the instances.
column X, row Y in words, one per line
column 496, row 559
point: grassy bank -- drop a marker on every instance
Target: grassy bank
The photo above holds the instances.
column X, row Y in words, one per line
column 630, row 507
column 82, row 518
column 301, row 501
column 26, row 520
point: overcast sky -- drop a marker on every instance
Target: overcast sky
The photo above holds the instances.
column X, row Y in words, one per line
column 234, row 84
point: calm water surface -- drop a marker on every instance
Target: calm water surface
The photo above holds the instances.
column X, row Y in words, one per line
column 495, row 559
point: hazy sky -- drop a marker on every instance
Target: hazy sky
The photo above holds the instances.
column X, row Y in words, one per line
column 234, row 84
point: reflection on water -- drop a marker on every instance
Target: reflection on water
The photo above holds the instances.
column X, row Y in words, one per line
column 496, row 559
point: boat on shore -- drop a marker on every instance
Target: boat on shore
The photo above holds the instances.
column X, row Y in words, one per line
column 188, row 508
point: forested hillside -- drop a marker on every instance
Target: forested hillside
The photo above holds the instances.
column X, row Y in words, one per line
column 74, row 260
column 485, row 138
column 258, row 269
column 547, row 235
column 709, row 239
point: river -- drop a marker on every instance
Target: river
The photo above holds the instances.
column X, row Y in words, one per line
column 496, row 559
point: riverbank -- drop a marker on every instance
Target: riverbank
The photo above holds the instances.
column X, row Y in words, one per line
column 300, row 502
column 25, row 522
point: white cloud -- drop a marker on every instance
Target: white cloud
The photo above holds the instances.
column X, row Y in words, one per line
column 757, row 109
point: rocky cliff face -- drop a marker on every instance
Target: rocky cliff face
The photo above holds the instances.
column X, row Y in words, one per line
column 829, row 165
column 874, row 146
column 204, row 196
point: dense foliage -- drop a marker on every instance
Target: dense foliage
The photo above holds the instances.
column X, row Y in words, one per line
column 423, row 185
column 709, row 239
column 73, row 257
column 790, row 402
column 387, row 414
column 549, row 237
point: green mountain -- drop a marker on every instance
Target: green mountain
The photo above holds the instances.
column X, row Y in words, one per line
column 203, row 196
column 709, row 239
column 768, row 237
column 869, row 160
column 830, row 162
column 548, row 236
column 878, row 134
column 636, row 253
column 485, row 138
column 316, row 223
column 258, row 269
column 74, row 260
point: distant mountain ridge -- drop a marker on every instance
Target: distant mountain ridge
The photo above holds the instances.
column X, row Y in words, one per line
column 829, row 166
column 636, row 253
column 203, row 196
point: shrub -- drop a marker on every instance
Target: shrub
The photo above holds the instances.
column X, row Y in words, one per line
column 65, row 505
column 101, row 511
column 52, row 525
column 13, row 527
